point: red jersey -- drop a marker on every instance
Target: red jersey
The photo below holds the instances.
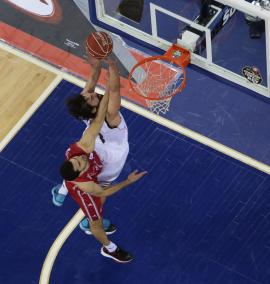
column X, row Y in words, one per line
column 90, row 205
column 95, row 165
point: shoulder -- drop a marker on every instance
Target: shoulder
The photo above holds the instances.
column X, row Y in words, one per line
column 75, row 150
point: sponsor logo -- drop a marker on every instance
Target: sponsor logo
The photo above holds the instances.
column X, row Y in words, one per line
column 43, row 10
column 71, row 43
column 228, row 13
column 252, row 74
column 177, row 54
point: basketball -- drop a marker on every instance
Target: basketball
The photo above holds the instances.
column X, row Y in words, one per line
column 99, row 45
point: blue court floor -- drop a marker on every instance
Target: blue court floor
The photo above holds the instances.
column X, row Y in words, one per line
column 198, row 217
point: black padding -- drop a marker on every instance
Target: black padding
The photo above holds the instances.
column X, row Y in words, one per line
column 256, row 29
column 131, row 9
column 205, row 8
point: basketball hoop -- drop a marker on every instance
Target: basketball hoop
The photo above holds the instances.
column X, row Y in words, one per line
column 158, row 78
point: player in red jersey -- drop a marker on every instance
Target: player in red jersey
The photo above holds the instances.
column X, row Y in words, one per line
column 80, row 171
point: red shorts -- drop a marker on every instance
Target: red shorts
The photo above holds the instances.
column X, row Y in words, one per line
column 90, row 205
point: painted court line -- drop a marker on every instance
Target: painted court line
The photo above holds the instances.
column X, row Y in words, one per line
column 56, row 246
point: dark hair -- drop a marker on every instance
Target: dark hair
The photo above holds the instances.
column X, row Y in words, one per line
column 67, row 171
column 78, row 107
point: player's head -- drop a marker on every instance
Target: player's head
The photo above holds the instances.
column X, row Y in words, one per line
column 84, row 106
column 72, row 168
column 93, row 99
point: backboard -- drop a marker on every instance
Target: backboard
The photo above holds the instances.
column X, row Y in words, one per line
column 221, row 43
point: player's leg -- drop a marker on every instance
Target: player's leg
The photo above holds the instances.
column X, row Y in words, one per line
column 107, row 226
column 59, row 193
column 109, row 249
column 98, row 232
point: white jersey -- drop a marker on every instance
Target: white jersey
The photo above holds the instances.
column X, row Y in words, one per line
column 112, row 147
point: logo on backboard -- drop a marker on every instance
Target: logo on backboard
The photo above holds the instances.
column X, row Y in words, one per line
column 252, row 74
column 177, row 53
column 44, row 10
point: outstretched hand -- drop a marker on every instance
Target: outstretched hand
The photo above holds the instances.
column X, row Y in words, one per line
column 134, row 176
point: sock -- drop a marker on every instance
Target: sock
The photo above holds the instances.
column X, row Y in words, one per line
column 63, row 190
column 111, row 247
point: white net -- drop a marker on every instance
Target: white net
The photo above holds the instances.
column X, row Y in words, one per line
column 157, row 81
column 160, row 106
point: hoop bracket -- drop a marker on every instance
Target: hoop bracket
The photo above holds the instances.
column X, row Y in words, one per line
column 179, row 55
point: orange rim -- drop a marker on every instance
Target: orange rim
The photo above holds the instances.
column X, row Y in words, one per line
column 176, row 55
column 153, row 58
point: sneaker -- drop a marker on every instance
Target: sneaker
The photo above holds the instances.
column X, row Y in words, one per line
column 118, row 255
column 108, row 227
column 57, row 198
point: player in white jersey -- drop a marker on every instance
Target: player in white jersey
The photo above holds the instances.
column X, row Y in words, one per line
column 113, row 148
column 112, row 143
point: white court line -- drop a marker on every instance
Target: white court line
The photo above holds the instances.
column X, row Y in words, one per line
column 56, row 246
column 53, row 252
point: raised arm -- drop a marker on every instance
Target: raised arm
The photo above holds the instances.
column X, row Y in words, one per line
column 94, row 75
column 97, row 190
column 87, row 141
column 114, row 89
